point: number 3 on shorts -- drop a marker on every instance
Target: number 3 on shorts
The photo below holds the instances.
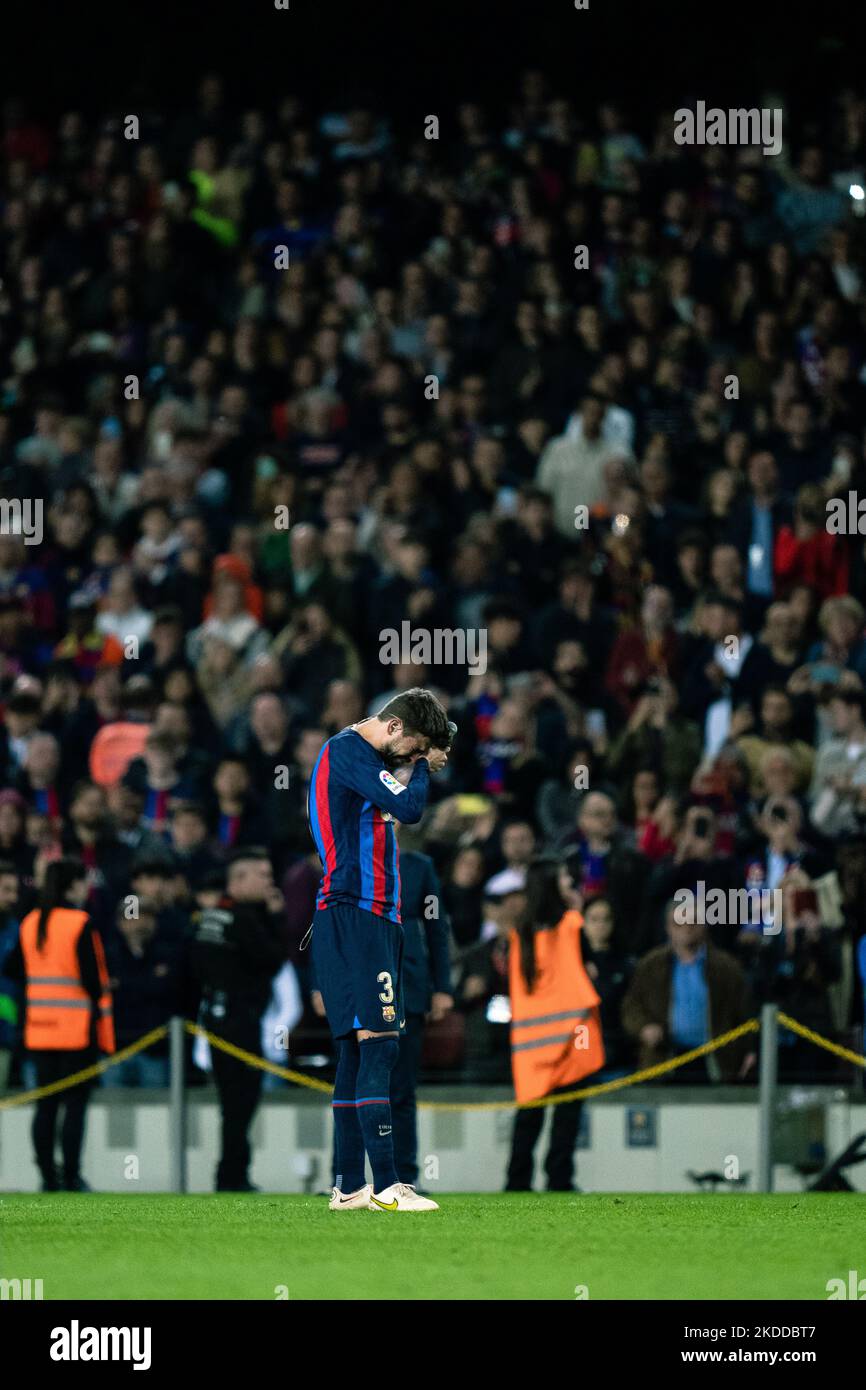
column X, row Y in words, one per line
column 387, row 994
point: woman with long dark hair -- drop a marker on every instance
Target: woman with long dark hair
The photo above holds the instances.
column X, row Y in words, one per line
column 67, row 1013
column 555, row 1024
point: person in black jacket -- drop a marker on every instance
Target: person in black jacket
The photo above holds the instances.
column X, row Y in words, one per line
column 237, row 948
column 145, row 968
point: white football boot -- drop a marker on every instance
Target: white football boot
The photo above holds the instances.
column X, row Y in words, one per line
column 401, row 1196
column 351, row 1201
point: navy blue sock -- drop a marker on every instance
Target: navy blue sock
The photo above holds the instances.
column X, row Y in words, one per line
column 373, row 1094
column 348, row 1139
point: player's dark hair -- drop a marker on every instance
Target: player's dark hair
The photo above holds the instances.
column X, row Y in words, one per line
column 421, row 713
column 60, row 875
column 544, row 908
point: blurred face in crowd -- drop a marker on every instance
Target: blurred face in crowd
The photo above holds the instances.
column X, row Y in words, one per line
column 781, row 626
column 126, row 806
column 518, row 844
column 308, row 748
column 265, row 674
column 167, row 637
column 232, row 781
column 78, row 892
column 160, row 755
column 597, row 817
column 686, row 938
column 173, row 720
column 219, row 657
column 763, row 473
column 305, row 547
column 250, row 880
column 509, row 912
column 156, row 887
column 228, row 599
column 8, row 892
column 690, row 562
column 657, row 610
column 171, row 715
column 722, row 488
column 268, row 719
column 43, row 760
column 569, row 660
column 645, row 791
column 845, row 718
column 139, row 931
column 121, row 591
column 841, row 624
column 21, row 721
column 598, row 923
column 779, row 773
column 156, row 525
column 468, row 870
column 89, row 808
column 343, row 705
column 188, row 830
column 591, row 415
column 718, row 621
column 726, row 568
column 776, row 712
column 503, row 632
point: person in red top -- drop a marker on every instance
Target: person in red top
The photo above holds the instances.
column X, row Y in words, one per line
column 641, row 652
column 806, row 553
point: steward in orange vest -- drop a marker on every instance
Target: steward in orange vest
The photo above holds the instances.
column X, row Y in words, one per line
column 67, row 1014
column 556, row 1037
column 59, row 1010
column 555, row 1026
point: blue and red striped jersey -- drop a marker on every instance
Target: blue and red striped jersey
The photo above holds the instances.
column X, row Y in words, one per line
column 352, row 802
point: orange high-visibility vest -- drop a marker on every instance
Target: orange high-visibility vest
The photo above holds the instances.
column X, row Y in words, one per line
column 556, row 1029
column 58, row 1009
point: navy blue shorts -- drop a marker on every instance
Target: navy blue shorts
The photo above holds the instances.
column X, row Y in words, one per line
column 358, row 961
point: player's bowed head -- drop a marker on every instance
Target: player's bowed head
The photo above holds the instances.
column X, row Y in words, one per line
column 411, row 726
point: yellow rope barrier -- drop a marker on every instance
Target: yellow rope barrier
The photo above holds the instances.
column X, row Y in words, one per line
column 311, row 1082
column 298, row 1078
column 810, row 1036
column 88, row 1073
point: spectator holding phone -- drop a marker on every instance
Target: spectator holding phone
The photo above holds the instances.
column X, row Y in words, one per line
column 775, row 730
column 657, row 735
column 842, row 646
column 694, row 860
column 837, row 798
column 795, row 970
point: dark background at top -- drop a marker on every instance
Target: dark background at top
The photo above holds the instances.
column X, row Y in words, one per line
column 418, row 56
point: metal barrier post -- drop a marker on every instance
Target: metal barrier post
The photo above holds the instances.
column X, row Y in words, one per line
column 177, row 1104
column 767, row 1094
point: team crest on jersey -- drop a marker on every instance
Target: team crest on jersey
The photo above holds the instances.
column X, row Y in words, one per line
column 391, row 782
column 389, row 1013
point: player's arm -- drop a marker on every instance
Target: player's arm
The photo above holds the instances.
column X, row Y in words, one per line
column 362, row 771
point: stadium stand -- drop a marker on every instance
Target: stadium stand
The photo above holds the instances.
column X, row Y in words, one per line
column 275, row 383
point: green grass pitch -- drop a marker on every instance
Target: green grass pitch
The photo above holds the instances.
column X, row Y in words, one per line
column 478, row 1246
